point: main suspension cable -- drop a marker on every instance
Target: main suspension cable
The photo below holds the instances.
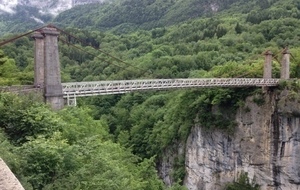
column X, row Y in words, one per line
column 84, row 43
column 20, row 36
column 102, row 59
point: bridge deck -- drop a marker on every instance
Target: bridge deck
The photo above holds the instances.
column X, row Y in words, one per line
column 80, row 89
column 16, row 88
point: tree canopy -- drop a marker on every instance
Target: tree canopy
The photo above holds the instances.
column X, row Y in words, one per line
column 117, row 141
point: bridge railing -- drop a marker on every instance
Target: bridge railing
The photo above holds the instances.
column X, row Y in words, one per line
column 17, row 88
column 79, row 89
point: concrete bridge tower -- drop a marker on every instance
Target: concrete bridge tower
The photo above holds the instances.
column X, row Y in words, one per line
column 47, row 67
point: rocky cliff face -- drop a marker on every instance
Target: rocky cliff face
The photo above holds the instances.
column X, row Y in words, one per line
column 266, row 144
column 8, row 181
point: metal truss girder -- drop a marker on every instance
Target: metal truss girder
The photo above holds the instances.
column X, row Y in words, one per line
column 81, row 89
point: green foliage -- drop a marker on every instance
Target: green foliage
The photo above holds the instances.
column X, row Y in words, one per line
column 215, row 108
column 259, row 99
column 168, row 51
column 238, row 28
column 151, row 124
column 178, row 172
column 76, row 118
column 137, row 13
column 243, row 183
column 9, row 72
column 174, row 60
column 67, row 150
column 160, row 39
column 44, row 160
column 23, row 117
column 90, row 166
column 16, row 63
column 6, row 151
column 293, row 85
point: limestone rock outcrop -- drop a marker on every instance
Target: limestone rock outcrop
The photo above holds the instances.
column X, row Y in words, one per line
column 266, row 145
column 8, row 181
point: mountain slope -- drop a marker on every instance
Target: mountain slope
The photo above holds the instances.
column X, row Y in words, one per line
column 22, row 15
column 141, row 13
column 226, row 43
column 46, row 6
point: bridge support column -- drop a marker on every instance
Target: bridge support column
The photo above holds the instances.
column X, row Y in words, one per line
column 39, row 62
column 285, row 64
column 53, row 89
column 268, row 65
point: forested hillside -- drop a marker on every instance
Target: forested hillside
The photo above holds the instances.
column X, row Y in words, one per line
column 126, row 16
column 117, row 141
column 24, row 18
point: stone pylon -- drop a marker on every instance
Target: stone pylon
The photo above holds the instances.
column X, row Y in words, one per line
column 268, row 65
column 285, row 64
column 47, row 66
column 39, row 62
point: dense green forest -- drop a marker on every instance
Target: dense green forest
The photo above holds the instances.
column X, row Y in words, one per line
column 67, row 149
column 117, row 141
column 129, row 15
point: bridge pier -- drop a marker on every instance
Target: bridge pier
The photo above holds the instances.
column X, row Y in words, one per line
column 285, row 64
column 47, row 66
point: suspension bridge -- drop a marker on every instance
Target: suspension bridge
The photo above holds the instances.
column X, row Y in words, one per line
column 47, row 77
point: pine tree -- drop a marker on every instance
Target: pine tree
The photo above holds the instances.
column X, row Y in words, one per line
column 238, row 28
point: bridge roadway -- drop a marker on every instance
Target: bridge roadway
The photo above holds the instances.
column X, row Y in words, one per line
column 82, row 89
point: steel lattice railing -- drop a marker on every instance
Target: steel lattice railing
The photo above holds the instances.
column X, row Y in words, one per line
column 17, row 88
column 81, row 89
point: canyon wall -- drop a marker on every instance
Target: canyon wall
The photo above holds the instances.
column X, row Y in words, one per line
column 265, row 144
